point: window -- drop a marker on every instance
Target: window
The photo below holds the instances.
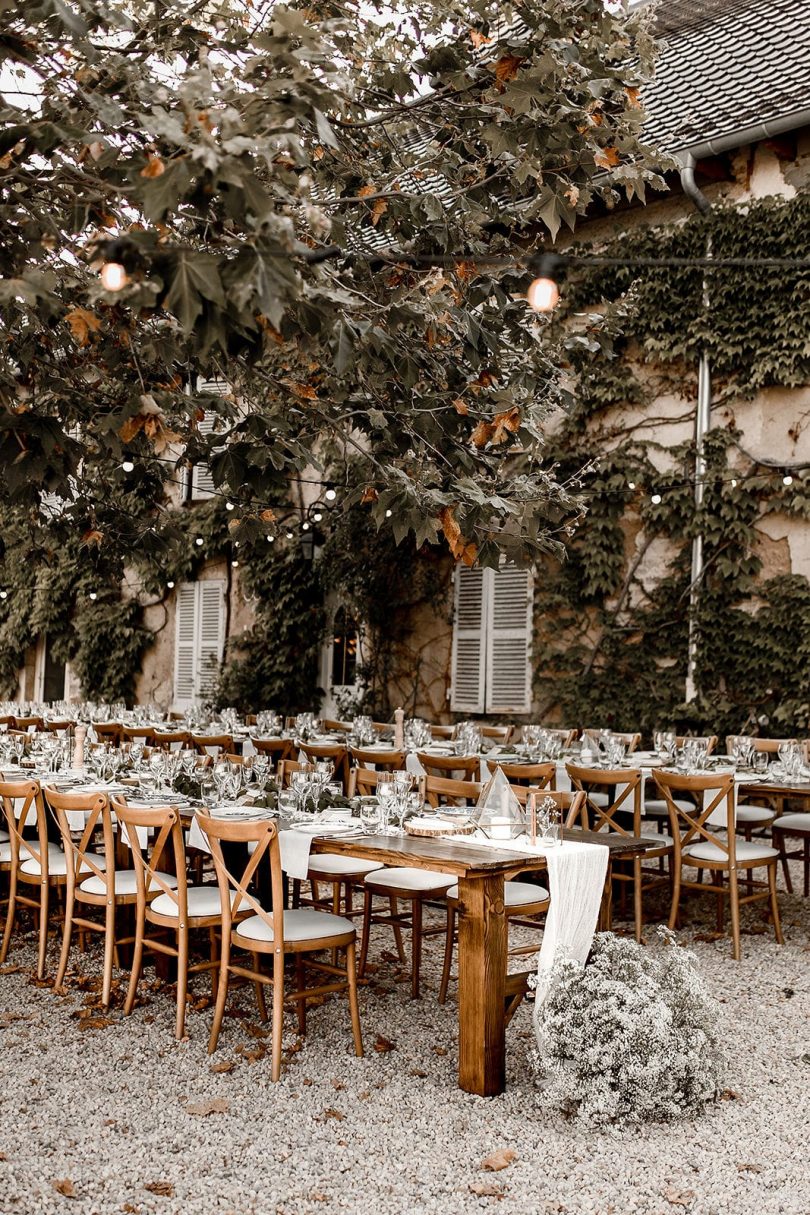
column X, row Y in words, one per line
column 198, row 484
column 492, row 626
column 199, row 640
column 344, row 649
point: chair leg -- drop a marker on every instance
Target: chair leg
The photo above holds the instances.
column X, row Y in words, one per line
column 394, row 905
column 44, row 896
column 67, row 933
column 301, row 1005
column 717, row 880
column 806, row 866
column 278, row 1013
column 354, row 1009
column 367, row 901
column 777, row 923
column 10, row 914
column 259, row 986
column 674, row 907
column 222, row 994
column 137, row 963
column 416, row 946
column 448, row 953
column 182, row 981
column 779, row 841
column 734, row 896
column 109, row 952
column 214, row 954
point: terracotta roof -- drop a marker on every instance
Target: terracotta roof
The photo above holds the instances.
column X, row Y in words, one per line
column 727, row 65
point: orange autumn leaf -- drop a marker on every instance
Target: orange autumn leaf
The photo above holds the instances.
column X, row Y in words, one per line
column 463, row 550
column 507, row 67
column 305, row 391
column 607, row 158
column 377, row 211
column 364, row 191
column 633, row 97
column 482, row 434
column 370, row 494
column 82, row 323
column 154, row 167
column 505, row 424
column 92, row 536
column 478, row 39
column 466, row 270
column 268, row 516
column 461, row 406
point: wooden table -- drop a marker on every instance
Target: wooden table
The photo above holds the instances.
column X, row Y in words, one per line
column 481, row 931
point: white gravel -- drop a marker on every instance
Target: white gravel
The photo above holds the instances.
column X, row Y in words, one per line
column 102, row 1113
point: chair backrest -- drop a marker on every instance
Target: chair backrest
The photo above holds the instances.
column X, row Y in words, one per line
column 572, row 804
column 715, row 807
column 709, row 739
column 261, row 842
column 29, row 723
column 166, row 824
column 468, row 766
column 329, row 723
column 443, row 789
column 541, row 775
column 23, row 807
column 503, row 734
column 623, row 789
column 285, row 770
column 338, row 754
column 631, row 741
column 442, row 731
column 277, row 748
column 95, row 808
column 363, row 781
column 177, row 740
column 58, row 727
column 144, row 734
column 107, row 731
column 383, row 761
column 771, row 745
column 212, row 744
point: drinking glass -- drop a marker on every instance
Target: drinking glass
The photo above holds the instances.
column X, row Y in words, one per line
column 370, row 814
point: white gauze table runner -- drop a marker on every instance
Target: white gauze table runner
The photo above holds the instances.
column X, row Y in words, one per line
column 293, row 845
column 576, row 880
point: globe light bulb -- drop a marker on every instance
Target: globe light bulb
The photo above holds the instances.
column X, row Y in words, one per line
column 787, row 479
column 234, row 564
column 317, row 516
column 289, row 535
column 330, row 495
column 3, row 594
column 199, row 542
column 388, row 514
column 229, row 505
column 543, row 295
column 170, row 585
column 113, row 276
column 128, row 466
column 93, row 595
column 656, row 499
column 733, row 483
column 304, row 527
column 631, row 485
column 270, row 539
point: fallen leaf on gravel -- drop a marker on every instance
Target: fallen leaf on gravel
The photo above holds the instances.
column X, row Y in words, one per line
column 258, row 1031
column 219, row 1105
column 337, row 1085
column 130, row 1209
column 439, row 1050
column 227, row 1065
column 498, row 1160
column 417, row 1071
column 709, row 936
column 487, row 1189
column 383, row 1045
column 680, row 1198
column 728, row 1094
column 164, row 1188
column 3, row 1156
column 330, row 1113
column 65, row 1187
column 749, row 1168
column 95, row 1022
column 9, row 969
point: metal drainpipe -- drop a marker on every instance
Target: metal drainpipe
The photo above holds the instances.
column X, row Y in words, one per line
column 702, row 425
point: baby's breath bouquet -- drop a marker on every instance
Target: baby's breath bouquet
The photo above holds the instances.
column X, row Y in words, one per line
column 632, row 1036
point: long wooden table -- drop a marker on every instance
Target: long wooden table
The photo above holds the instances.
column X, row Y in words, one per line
column 482, row 935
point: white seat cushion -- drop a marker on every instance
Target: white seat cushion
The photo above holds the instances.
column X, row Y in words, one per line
column 656, row 839
column 124, row 883
column 745, row 851
column 5, row 850
column 515, row 894
column 656, row 807
column 410, row 879
column 302, row 924
column 602, row 799
column 57, row 863
column 754, row 814
column 329, row 863
column 202, row 900
column 793, row 822
column 3, row 836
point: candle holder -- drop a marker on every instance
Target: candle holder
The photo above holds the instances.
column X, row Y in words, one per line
column 498, row 813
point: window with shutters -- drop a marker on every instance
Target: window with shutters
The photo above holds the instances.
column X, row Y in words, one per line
column 198, row 484
column 199, row 640
column 492, row 629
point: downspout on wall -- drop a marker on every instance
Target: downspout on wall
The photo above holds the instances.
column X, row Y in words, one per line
column 702, row 426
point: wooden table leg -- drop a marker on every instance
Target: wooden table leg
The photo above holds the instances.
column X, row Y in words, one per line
column 605, row 910
column 482, row 985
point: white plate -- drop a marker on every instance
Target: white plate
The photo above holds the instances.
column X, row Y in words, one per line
column 326, row 828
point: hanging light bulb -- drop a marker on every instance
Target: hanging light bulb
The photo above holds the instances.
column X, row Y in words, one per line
column 128, row 466
column 388, row 514
column 170, row 585
column 544, row 293
column 631, row 485
column 330, row 494
column 304, row 527
column 317, row 516
column 235, row 564
column 733, row 483
column 93, row 595
column 199, row 542
column 229, row 506
column 289, row 535
column 113, row 276
column 270, row 539
column 656, row 499
column 3, row 594
column 787, row 479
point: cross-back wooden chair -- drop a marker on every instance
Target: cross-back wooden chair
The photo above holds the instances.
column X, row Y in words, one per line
column 336, row 752
column 440, row 732
column 58, row 727
column 561, row 734
column 383, row 761
column 441, row 790
column 630, row 740
column 460, row 767
column 276, row 933
column 544, row 776
column 93, row 879
column 108, row 732
column 212, row 744
column 699, row 844
column 141, row 734
column 363, row 782
column 501, row 734
column 30, row 860
column 172, row 740
column 613, row 804
column 28, row 723
column 276, row 749
column 337, row 727
column 174, row 908
column 770, row 745
column 709, row 739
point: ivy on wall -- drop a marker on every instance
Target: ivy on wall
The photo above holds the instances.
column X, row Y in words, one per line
column 613, row 644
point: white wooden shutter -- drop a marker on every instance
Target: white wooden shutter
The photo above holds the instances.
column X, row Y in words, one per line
column 202, row 483
column 199, row 640
column 185, row 643
column 509, row 632
column 211, row 619
column 469, row 651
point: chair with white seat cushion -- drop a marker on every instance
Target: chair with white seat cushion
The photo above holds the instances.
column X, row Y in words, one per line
column 166, row 902
column 343, row 873
column 30, row 862
column 107, row 888
column 797, row 825
column 413, row 886
column 705, row 838
column 304, row 933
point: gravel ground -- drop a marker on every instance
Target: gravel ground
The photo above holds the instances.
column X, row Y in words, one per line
column 105, row 1115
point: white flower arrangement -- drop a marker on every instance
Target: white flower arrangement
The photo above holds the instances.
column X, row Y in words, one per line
column 632, row 1036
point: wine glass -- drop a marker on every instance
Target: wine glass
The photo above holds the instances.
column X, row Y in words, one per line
column 370, row 814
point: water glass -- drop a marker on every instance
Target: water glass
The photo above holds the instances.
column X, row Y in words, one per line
column 370, row 814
